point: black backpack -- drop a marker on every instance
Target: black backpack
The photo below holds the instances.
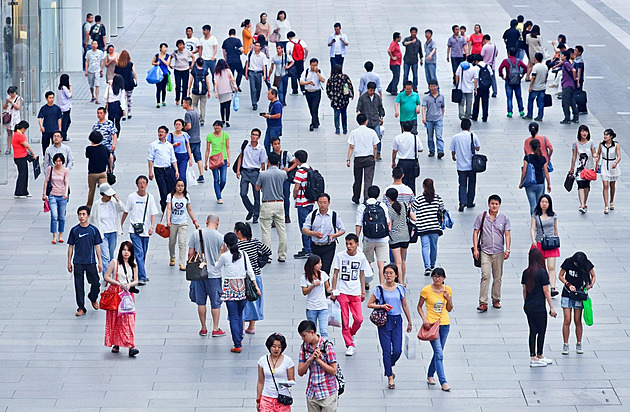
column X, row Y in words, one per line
column 315, row 185
column 374, row 221
column 485, row 78
column 341, row 381
column 199, row 87
column 514, row 73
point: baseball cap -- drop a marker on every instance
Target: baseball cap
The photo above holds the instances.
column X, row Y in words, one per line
column 107, row 190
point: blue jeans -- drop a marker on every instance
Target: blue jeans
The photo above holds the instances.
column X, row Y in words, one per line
column 429, row 249
column 414, row 72
column 182, row 165
column 209, row 65
column 271, row 132
column 319, row 318
column 467, row 182
column 494, row 83
column 286, row 192
column 255, row 86
column 435, row 128
column 303, row 212
column 392, row 87
column 220, row 177
column 437, row 364
column 235, row 315
column 140, row 247
column 344, row 119
column 430, row 71
column 108, row 249
column 57, row 213
column 509, row 90
column 390, row 337
column 540, row 102
column 377, row 129
column 533, row 193
column 282, row 89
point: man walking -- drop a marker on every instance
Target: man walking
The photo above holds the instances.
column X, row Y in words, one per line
column 461, row 152
column 249, row 165
column 106, row 218
column 371, row 104
column 489, row 52
column 433, row 119
column 110, row 134
column 303, row 205
column 405, row 194
column 337, row 42
column 466, row 79
column 141, row 209
column 369, row 76
column 395, row 60
column 363, row 143
column 271, row 182
column 256, row 72
column 297, row 49
column 512, row 71
column 83, row 243
column 98, row 33
column 312, row 83
column 163, row 165
column 324, row 226
column 192, row 126
column 191, row 43
column 232, row 50
column 209, row 46
column 407, row 107
column 455, row 50
column 484, row 82
column 274, row 119
column 430, row 61
column 58, row 147
column 413, row 56
column 87, row 26
column 49, row 118
column 289, row 165
column 405, row 148
column 199, row 89
column 94, row 60
column 492, row 232
column 371, row 218
column 537, row 88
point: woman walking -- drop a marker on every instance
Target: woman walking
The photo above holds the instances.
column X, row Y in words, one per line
column 475, row 40
column 427, row 207
column 181, row 145
column 162, row 59
column 263, row 27
column 535, row 283
column 120, row 329
column 398, row 231
column 583, row 157
column 98, row 157
column 56, row 193
column 273, row 368
column 609, row 155
column 218, row 142
column 177, row 206
column 21, row 150
column 315, row 284
column 534, row 43
column 64, row 99
column 339, row 90
column 391, row 296
column 236, row 265
column 111, row 58
column 577, row 275
column 281, row 27
column 545, row 223
column 12, row 105
column 224, row 88
column 116, row 101
column 438, row 297
column 248, row 37
column 180, row 63
column 255, row 249
column 124, row 67
column 535, row 187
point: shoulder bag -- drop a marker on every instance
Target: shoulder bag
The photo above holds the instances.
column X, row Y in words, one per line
column 477, row 261
column 579, row 294
column 416, row 163
column 282, row 399
column 49, row 186
column 275, row 38
column 548, row 242
column 457, row 94
column 568, row 182
column 197, row 267
column 138, row 228
column 479, row 161
column 110, row 299
column 216, row 161
column 379, row 316
column 235, row 165
column 411, row 227
column 549, row 165
column 433, row 331
column 250, row 289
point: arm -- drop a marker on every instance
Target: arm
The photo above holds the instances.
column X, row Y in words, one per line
column 407, row 314
column 532, row 230
column 70, row 252
column 190, row 156
column 448, row 54
column 425, row 322
column 122, row 220
column 396, row 109
column 508, row 242
column 547, row 293
column 475, row 242
column 394, row 154
column 616, row 162
column 169, row 212
column 350, row 151
column 523, row 173
column 424, row 115
column 97, row 249
column 546, row 170
column 573, row 157
column 108, row 273
column 207, row 155
column 590, row 285
column 150, row 163
column 259, row 386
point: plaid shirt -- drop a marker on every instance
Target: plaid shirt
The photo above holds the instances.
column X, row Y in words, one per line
column 321, row 385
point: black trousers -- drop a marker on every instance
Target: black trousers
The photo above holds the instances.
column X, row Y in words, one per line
column 116, row 121
column 537, row 327
column 65, row 123
column 91, row 273
column 483, row 95
column 313, row 99
column 225, row 111
column 298, row 69
column 21, row 183
column 237, row 66
column 165, row 181
column 181, row 84
column 467, row 183
column 46, row 140
column 408, row 178
column 326, row 253
column 160, row 90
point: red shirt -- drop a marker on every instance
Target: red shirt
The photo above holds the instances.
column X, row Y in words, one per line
column 545, row 146
column 394, row 47
column 505, row 65
column 19, row 150
column 477, row 42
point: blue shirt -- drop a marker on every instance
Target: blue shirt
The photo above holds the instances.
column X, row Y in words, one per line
column 369, row 77
column 461, row 145
column 161, row 154
column 275, row 108
column 179, row 143
column 84, row 239
column 393, row 298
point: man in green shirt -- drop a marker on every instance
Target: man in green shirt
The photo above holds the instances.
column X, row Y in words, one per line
column 408, row 107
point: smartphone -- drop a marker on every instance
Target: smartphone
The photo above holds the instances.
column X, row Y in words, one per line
column 261, row 114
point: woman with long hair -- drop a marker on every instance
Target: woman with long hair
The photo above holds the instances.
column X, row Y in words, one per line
column 583, row 157
column 120, row 329
column 475, row 40
column 218, row 142
column 236, row 265
column 64, row 98
column 177, row 206
column 398, row 232
column 534, row 43
column 111, row 57
column 181, row 145
column 224, row 88
column 427, row 208
column 535, row 283
column 12, row 104
column 124, row 67
column 315, row 284
column 534, row 189
column 116, row 101
column 248, row 37
column 56, row 193
column 609, row 165
column 545, row 222
column 162, row 59
column 21, row 150
column 339, row 90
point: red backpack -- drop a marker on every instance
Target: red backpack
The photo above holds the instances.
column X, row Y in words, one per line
column 298, row 51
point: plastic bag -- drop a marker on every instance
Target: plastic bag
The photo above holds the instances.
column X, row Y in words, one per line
column 169, row 84
column 127, row 305
column 588, row 311
column 191, row 178
column 154, row 75
column 409, row 347
column 236, row 102
column 334, row 314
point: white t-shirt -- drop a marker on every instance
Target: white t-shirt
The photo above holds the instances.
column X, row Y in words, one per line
column 179, row 209
column 316, row 300
column 191, row 45
column 363, row 139
column 135, row 208
column 207, row 49
column 361, row 212
column 404, row 146
column 107, row 216
column 350, row 267
column 466, row 78
column 290, row 46
column 280, row 373
column 235, row 270
column 405, row 194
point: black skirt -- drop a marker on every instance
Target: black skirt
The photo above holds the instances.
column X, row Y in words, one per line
column 114, row 110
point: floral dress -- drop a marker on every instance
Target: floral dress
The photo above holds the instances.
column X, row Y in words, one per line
column 120, row 329
column 339, row 90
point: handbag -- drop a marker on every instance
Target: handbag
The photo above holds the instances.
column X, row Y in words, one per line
column 433, row 331
column 6, row 117
column 162, row 230
column 478, row 161
column 530, row 176
column 37, row 169
column 236, row 102
column 416, row 163
column 282, row 399
column 379, row 316
column 588, row 311
column 411, row 227
column 276, row 81
column 138, row 228
column 46, row 206
column 568, row 182
column 477, row 261
column 111, row 178
column 216, row 161
column 588, row 174
column 275, row 38
column 127, row 305
column 155, row 75
column 548, row 242
column 250, row 289
column 579, row 294
column 457, row 95
column 548, row 100
column 109, row 297
column 262, row 259
column 197, row 267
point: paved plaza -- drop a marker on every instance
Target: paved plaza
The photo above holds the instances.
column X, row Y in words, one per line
column 51, row 360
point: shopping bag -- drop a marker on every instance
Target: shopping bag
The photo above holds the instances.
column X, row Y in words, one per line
column 154, row 75
column 334, row 314
column 169, row 84
column 46, row 206
column 236, row 102
column 588, row 311
column 126, row 306
column 409, row 347
column 191, row 178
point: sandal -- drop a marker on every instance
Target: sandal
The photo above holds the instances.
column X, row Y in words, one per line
column 612, row 206
column 391, row 386
column 115, row 349
column 431, row 381
column 446, row 387
column 606, row 210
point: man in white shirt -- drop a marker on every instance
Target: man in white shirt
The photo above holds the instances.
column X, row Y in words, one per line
column 461, row 151
column 163, row 165
column 337, row 42
column 466, row 78
column 250, row 163
column 313, row 80
column 106, row 217
column 372, row 217
column 363, row 143
column 405, row 148
column 209, row 46
column 298, row 63
column 192, row 44
column 94, row 69
column 256, row 72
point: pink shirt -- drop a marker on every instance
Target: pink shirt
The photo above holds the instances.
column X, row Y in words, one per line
column 395, row 49
column 223, row 82
column 58, row 180
column 489, row 53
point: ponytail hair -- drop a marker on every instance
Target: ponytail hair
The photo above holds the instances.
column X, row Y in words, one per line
column 231, row 241
column 244, row 228
column 611, row 133
column 535, row 146
column 392, row 194
column 245, row 22
column 533, row 128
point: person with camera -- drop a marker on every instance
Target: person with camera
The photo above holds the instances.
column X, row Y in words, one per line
column 276, row 372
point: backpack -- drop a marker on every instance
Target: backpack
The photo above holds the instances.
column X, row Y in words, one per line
column 95, row 32
column 514, row 73
column 298, row 51
column 374, row 221
column 334, row 218
column 341, row 381
column 315, row 185
column 485, row 78
column 200, row 87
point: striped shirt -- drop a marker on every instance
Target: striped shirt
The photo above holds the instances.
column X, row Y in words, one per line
column 301, row 175
column 405, row 194
column 254, row 247
column 427, row 215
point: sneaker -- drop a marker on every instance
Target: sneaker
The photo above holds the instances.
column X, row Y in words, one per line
column 565, row 349
column 509, row 114
column 527, row 117
column 354, row 341
column 565, row 122
column 350, row 351
column 578, row 348
column 440, row 155
column 133, row 352
column 427, row 272
column 163, row 103
column 431, row 154
column 537, row 363
column 521, row 113
column 301, row 255
column 182, row 268
column 581, row 209
column 218, row 333
column 546, row 360
column 538, row 119
column 200, row 179
column 235, row 350
column 204, row 332
column 142, row 282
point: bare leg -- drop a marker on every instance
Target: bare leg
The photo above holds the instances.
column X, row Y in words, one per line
column 201, row 310
column 96, row 92
column 9, row 138
column 582, row 197
column 380, row 265
column 252, row 324
column 612, row 191
column 551, row 269
column 586, row 192
column 60, row 236
column 577, row 315
column 403, row 264
column 200, row 165
column 216, row 313
column 566, row 324
column 398, row 262
column 605, row 185
column 92, row 91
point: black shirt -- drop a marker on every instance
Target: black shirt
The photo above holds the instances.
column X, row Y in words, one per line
column 97, row 31
column 538, row 163
column 231, row 45
column 578, row 277
column 51, row 115
column 511, row 37
column 97, row 156
column 412, row 51
column 127, row 75
column 535, row 300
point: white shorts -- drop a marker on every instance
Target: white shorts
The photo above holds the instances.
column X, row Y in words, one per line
column 94, row 79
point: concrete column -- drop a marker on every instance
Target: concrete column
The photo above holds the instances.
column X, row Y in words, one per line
column 119, row 14
column 113, row 18
column 105, row 12
column 72, row 56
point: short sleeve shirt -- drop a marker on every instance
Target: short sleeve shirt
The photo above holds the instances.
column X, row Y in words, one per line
column 192, row 117
column 212, row 242
column 272, row 182
column 208, row 47
column 94, row 60
column 219, row 143
column 350, row 268
column 321, row 385
column 108, row 130
column 429, row 46
column 578, row 277
column 463, row 150
column 84, row 239
column 394, row 47
column 179, row 209
column 179, row 142
column 434, row 106
column 135, row 208
column 435, row 304
column 540, row 72
column 279, row 62
column 408, row 106
column 191, row 45
column 316, row 299
column 535, row 300
column 492, row 237
column 50, row 116
column 393, row 298
column 301, row 176
column 275, row 108
column 457, row 45
column 231, row 45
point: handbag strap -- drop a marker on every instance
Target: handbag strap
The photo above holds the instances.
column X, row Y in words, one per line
column 483, row 219
column 272, row 375
column 203, row 249
column 472, row 143
column 415, row 147
column 541, row 226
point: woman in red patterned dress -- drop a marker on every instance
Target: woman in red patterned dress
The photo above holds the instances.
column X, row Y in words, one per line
column 123, row 274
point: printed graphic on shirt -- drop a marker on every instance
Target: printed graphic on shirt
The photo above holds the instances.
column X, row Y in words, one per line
column 437, row 307
column 178, row 208
column 350, row 270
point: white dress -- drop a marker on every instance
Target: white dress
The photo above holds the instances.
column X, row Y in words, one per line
column 608, row 157
column 15, row 113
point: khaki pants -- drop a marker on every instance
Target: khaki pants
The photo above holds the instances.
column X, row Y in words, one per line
column 323, row 405
column 93, row 179
column 274, row 211
column 199, row 103
column 491, row 263
column 179, row 236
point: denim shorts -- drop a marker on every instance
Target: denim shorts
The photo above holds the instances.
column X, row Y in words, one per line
column 201, row 289
column 195, row 148
column 570, row 303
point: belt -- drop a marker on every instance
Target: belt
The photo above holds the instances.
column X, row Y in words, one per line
column 163, row 168
column 272, row 201
column 255, row 71
column 313, row 91
column 363, row 157
column 250, row 169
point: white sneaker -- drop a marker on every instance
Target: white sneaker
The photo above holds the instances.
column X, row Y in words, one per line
column 546, row 360
column 350, row 351
column 537, row 363
column 354, row 341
